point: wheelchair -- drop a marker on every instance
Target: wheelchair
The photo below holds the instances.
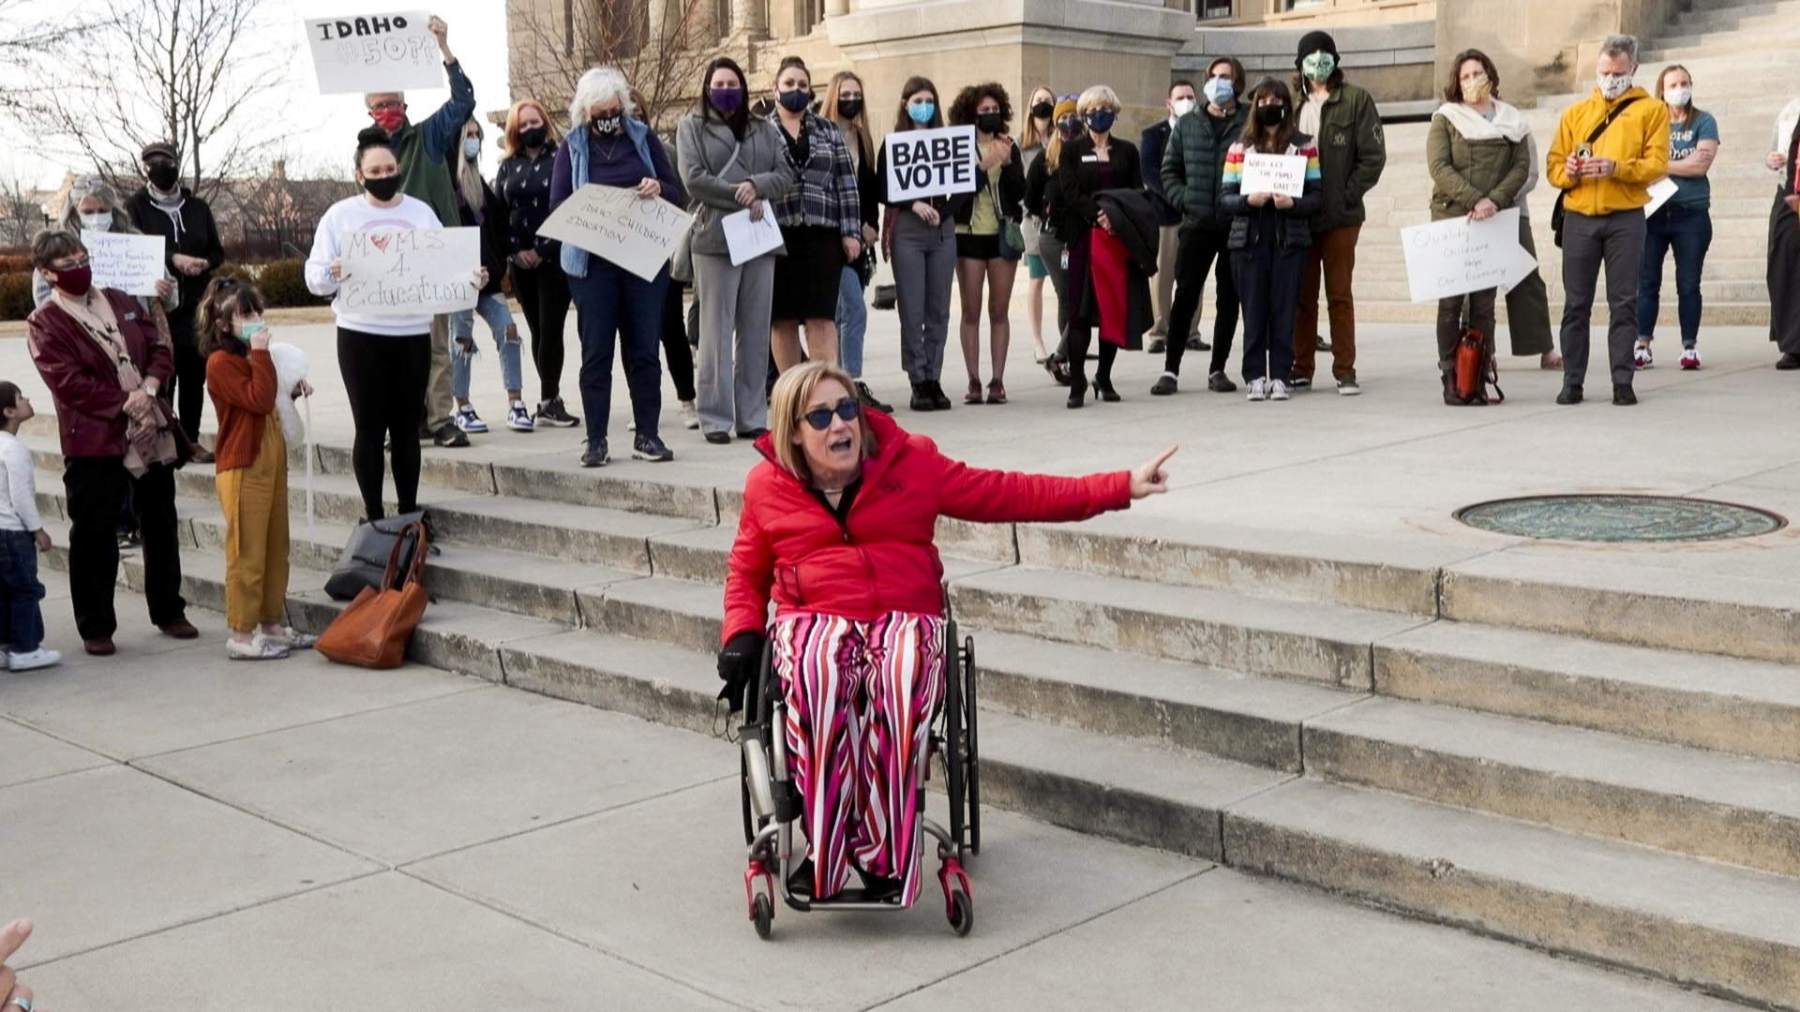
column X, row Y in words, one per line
column 772, row 802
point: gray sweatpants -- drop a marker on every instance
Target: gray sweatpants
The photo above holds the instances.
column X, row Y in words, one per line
column 1616, row 240
column 733, row 375
column 924, row 262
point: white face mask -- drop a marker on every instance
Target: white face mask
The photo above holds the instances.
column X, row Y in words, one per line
column 1183, row 106
column 98, row 222
column 1613, row 85
column 1678, row 97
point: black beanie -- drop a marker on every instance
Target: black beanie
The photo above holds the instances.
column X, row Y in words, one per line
column 1312, row 42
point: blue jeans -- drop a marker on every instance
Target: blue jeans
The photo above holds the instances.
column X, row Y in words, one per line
column 1690, row 232
column 613, row 303
column 852, row 321
column 462, row 327
column 21, row 622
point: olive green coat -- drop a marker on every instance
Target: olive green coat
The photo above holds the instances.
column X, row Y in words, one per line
column 1464, row 171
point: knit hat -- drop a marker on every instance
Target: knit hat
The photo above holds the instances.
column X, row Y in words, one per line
column 1065, row 106
column 1313, row 42
column 164, row 148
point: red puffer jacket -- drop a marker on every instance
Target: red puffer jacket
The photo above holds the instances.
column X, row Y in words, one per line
column 882, row 559
column 83, row 378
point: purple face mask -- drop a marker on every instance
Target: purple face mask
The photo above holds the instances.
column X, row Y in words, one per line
column 726, row 100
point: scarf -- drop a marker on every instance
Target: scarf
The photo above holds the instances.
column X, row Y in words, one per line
column 1508, row 123
column 148, row 439
column 169, row 204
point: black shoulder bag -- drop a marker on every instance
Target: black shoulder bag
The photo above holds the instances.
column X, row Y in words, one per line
column 1556, row 213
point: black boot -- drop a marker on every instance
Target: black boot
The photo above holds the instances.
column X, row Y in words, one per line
column 1077, row 390
column 921, row 398
column 1451, row 397
column 1623, row 395
column 939, row 402
column 1571, row 394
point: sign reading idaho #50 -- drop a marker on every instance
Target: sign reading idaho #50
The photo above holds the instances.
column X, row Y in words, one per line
column 375, row 52
column 931, row 163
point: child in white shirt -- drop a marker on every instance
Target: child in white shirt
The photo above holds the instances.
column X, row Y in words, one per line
column 22, row 537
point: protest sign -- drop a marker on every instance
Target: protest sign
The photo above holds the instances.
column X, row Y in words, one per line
column 380, row 52
column 1283, row 174
column 410, row 272
column 616, row 224
column 1457, row 256
column 131, row 263
column 1660, row 192
column 931, row 163
column 748, row 239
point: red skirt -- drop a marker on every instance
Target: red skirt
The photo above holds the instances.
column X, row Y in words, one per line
column 1109, row 265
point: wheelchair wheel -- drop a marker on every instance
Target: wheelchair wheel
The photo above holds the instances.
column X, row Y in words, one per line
column 962, row 913
column 956, row 786
column 763, row 916
column 972, row 750
column 756, row 715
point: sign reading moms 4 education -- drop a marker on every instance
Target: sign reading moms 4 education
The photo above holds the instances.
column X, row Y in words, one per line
column 410, row 272
column 375, row 52
column 931, row 163
column 616, row 224
column 131, row 263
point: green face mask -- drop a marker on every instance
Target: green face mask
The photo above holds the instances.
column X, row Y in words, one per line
column 1318, row 66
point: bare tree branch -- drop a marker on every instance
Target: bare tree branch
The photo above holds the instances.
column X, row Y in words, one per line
column 661, row 46
column 21, row 216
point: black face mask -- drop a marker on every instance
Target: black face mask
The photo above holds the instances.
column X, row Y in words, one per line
column 534, row 137
column 1068, row 129
column 796, row 100
column 162, row 174
column 1042, row 110
column 382, row 189
column 850, row 108
column 990, row 123
column 1271, row 115
column 609, row 124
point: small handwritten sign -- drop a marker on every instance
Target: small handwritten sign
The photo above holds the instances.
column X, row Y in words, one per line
column 930, row 163
column 616, row 224
column 1457, row 256
column 375, row 52
column 1660, row 192
column 1266, row 173
column 131, row 263
column 411, row 272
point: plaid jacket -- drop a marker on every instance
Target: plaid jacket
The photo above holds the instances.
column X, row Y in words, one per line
column 826, row 196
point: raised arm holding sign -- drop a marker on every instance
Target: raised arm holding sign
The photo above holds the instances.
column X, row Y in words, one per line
column 931, row 163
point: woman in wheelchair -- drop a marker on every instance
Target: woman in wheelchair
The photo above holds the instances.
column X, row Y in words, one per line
column 837, row 527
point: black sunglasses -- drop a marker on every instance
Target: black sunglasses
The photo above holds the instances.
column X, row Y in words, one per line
column 820, row 418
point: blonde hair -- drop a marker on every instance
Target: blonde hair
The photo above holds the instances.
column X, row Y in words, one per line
column 1053, row 148
column 792, row 392
column 1097, row 97
column 1029, row 137
column 855, row 130
column 468, row 170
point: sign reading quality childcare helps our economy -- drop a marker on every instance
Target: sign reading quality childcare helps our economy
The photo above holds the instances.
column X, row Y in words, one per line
column 931, row 163
column 375, row 52
column 411, row 272
column 1457, row 256
column 1266, row 173
column 617, row 225
column 131, row 263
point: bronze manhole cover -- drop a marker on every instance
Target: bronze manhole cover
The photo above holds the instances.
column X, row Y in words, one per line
column 1620, row 518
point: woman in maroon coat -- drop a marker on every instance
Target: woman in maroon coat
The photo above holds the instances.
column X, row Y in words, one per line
column 101, row 357
column 837, row 529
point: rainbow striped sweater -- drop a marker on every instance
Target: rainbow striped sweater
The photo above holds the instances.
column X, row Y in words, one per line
column 1248, row 223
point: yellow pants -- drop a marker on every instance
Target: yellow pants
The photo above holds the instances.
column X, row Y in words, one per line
column 255, row 501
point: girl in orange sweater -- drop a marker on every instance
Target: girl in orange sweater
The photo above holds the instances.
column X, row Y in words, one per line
column 251, row 470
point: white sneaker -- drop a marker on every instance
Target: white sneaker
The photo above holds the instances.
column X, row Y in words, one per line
column 257, row 648
column 518, row 419
column 1640, row 355
column 467, row 420
column 33, row 660
column 1278, row 391
column 1259, row 390
column 690, row 415
column 1690, row 358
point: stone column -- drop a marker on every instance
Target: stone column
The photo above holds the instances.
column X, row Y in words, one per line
column 749, row 18
column 836, row 8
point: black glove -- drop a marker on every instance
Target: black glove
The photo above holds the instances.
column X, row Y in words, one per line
column 738, row 665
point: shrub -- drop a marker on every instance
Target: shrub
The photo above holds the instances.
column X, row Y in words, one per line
column 283, row 283
column 15, row 295
column 12, row 263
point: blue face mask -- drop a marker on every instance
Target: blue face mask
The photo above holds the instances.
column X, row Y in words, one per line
column 246, row 331
column 1220, row 91
column 471, row 148
column 1101, row 120
column 922, row 112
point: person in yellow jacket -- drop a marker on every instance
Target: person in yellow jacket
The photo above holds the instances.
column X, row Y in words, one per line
column 1605, row 184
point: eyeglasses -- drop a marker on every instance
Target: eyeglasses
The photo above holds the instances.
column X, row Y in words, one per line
column 820, row 418
column 65, row 265
column 390, row 104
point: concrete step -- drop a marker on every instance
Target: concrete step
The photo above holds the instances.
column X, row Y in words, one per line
column 1304, row 640
column 1700, row 700
column 1718, row 314
column 1232, row 716
column 1627, row 603
column 1731, row 931
column 1729, row 808
column 683, row 614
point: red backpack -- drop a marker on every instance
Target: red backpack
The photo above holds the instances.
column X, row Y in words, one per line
column 1475, row 370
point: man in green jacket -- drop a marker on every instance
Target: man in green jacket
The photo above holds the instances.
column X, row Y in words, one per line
column 1343, row 121
column 425, row 174
column 1191, row 170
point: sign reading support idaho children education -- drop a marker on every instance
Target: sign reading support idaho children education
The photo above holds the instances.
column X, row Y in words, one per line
column 931, row 163
column 410, row 272
column 615, row 224
column 131, row 263
column 375, row 52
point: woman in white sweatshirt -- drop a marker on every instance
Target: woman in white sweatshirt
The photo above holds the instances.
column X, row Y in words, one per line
column 385, row 358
